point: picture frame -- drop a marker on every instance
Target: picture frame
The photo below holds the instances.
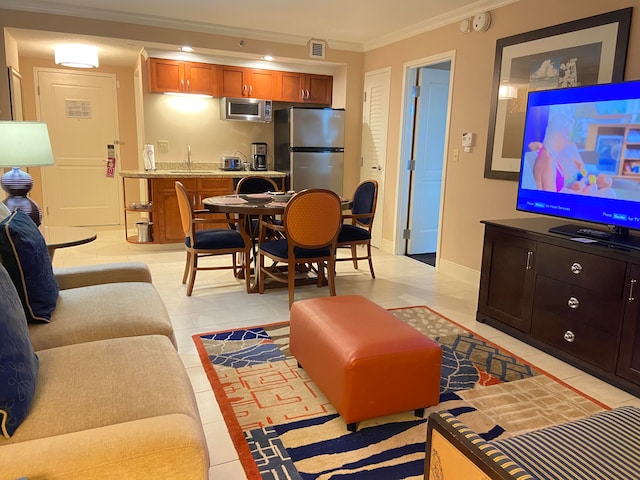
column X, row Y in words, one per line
column 581, row 52
column 15, row 94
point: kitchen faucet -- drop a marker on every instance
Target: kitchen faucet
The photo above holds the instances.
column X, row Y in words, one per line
column 189, row 157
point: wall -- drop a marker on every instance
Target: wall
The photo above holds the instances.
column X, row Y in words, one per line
column 469, row 197
column 348, row 68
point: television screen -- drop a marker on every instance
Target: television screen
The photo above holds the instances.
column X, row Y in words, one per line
column 581, row 154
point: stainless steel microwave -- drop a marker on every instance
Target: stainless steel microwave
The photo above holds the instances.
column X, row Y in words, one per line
column 246, row 109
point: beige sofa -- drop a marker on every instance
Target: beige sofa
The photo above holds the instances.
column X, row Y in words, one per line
column 112, row 398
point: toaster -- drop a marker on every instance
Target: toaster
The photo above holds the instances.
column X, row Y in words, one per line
column 231, row 163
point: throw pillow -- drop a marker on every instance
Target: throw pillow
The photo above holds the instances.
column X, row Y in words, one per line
column 4, row 211
column 25, row 256
column 18, row 362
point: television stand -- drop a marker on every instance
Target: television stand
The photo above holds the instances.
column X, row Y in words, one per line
column 578, row 301
column 617, row 237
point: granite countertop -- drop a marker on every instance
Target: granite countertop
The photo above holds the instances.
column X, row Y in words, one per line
column 200, row 173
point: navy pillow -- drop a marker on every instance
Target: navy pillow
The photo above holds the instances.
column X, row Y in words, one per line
column 18, row 362
column 25, row 256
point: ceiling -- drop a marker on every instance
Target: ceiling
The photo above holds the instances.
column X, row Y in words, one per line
column 358, row 25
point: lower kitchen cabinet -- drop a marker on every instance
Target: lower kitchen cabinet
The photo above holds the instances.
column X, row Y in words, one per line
column 573, row 300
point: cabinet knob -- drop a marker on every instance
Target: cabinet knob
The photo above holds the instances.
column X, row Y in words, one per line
column 573, row 302
column 576, row 268
column 569, row 336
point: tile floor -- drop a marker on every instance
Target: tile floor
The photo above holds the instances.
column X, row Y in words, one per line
column 219, row 302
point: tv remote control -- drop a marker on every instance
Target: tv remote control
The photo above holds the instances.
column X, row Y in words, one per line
column 594, row 233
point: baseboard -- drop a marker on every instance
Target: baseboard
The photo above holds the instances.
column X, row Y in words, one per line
column 460, row 272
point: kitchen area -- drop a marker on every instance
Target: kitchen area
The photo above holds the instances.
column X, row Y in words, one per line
column 204, row 125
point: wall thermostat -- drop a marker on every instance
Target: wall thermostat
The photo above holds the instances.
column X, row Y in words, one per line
column 468, row 141
column 465, row 25
column 481, row 22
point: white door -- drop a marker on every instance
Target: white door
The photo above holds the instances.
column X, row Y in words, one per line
column 80, row 109
column 429, row 148
column 375, row 122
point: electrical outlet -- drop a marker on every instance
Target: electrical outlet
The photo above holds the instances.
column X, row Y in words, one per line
column 456, row 155
column 163, row 146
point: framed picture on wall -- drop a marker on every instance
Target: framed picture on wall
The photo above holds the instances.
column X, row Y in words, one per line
column 582, row 52
column 15, row 94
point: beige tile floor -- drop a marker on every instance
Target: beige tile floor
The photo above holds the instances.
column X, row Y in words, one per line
column 219, row 302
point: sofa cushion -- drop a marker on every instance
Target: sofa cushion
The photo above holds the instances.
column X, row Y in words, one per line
column 25, row 256
column 98, row 384
column 99, row 312
column 18, row 362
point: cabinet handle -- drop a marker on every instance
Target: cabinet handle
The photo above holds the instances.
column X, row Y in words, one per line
column 302, row 94
column 244, row 90
column 576, row 268
column 250, row 90
column 529, row 260
column 188, row 85
column 573, row 303
column 308, row 95
column 569, row 336
column 631, row 287
column 181, row 84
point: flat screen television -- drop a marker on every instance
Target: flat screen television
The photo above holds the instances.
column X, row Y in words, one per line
column 581, row 160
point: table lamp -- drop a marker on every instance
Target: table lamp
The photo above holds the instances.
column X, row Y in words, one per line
column 23, row 144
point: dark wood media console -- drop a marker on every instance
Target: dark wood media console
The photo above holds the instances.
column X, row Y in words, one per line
column 576, row 301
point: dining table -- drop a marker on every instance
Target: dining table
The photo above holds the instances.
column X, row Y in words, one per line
column 256, row 206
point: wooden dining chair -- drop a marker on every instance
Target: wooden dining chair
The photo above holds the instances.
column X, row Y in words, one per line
column 256, row 184
column 357, row 225
column 311, row 221
column 209, row 242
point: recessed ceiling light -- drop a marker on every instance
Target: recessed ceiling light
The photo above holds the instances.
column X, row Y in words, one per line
column 76, row 55
column 268, row 58
column 186, row 48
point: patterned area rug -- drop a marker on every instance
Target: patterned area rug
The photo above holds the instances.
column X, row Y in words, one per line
column 284, row 428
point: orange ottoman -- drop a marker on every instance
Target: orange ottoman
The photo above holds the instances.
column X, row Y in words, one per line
column 367, row 362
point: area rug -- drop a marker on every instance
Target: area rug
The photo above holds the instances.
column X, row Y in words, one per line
column 284, row 428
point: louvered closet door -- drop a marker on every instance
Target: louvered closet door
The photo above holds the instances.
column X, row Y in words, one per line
column 375, row 123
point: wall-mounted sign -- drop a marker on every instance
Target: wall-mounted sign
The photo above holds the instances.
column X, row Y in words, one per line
column 78, row 108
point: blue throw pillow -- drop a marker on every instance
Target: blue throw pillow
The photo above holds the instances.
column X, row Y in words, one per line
column 25, row 256
column 18, row 362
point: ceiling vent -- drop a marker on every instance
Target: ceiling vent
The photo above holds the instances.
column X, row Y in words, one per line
column 316, row 48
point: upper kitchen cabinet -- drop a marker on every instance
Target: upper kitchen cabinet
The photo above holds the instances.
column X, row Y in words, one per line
column 173, row 76
column 304, row 88
column 245, row 82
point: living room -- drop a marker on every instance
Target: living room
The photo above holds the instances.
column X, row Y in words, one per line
column 218, row 301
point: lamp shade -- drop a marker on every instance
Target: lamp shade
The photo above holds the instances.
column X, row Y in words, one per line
column 25, row 144
column 76, row 55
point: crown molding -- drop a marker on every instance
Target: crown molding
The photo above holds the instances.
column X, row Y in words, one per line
column 448, row 18
column 171, row 23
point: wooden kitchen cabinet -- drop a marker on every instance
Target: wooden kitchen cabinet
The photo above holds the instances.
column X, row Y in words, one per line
column 573, row 300
column 173, row 76
column 166, row 214
column 245, row 82
column 304, row 87
column 629, row 359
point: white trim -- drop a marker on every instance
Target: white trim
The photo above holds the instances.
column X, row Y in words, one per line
column 402, row 198
column 459, row 272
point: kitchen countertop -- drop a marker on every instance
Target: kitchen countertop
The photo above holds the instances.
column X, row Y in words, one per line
column 200, row 173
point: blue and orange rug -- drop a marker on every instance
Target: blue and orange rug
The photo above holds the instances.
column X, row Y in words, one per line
column 284, row 428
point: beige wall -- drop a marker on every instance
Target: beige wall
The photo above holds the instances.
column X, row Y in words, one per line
column 469, row 197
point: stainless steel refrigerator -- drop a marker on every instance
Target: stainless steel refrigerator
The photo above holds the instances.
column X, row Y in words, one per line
column 309, row 147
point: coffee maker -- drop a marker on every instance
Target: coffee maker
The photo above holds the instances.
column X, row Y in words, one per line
column 259, row 155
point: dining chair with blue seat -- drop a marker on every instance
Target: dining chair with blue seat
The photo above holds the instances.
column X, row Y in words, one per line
column 357, row 225
column 210, row 242
column 311, row 221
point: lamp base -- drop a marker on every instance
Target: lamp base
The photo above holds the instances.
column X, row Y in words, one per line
column 17, row 185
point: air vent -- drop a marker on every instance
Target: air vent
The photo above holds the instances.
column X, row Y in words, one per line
column 316, row 48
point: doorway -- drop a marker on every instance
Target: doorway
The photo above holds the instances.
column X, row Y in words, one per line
column 424, row 138
column 80, row 109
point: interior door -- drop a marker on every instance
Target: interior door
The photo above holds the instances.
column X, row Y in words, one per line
column 80, row 111
column 375, row 123
column 426, row 185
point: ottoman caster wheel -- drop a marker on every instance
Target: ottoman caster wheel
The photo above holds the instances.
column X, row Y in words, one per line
column 352, row 427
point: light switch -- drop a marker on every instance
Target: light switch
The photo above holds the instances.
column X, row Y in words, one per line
column 163, row 146
column 456, row 155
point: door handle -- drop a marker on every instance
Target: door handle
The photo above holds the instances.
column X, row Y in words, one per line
column 377, row 167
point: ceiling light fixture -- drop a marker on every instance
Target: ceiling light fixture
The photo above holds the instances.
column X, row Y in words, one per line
column 77, row 56
column 268, row 58
column 186, row 48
